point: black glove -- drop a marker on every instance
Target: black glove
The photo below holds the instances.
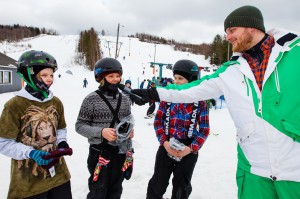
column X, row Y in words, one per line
column 147, row 94
column 63, row 149
column 63, row 144
column 213, row 102
column 137, row 100
column 55, row 155
column 128, row 173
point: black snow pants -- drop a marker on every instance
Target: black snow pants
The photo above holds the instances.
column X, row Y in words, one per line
column 62, row 191
column 182, row 172
column 151, row 108
column 109, row 183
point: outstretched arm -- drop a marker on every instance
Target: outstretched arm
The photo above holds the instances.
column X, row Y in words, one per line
column 206, row 88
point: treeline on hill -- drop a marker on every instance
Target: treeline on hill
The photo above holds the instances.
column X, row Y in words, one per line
column 17, row 32
column 217, row 51
column 88, row 48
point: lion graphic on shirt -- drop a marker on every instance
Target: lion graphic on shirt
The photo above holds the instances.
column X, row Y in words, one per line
column 39, row 131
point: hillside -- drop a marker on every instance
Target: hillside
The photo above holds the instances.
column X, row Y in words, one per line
column 137, row 54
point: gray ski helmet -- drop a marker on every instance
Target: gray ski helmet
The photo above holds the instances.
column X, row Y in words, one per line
column 186, row 68
column 32, row 62
column 105, row 66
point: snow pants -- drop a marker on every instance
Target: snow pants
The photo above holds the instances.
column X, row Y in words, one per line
column 252, row 186
column 109, row 183
column 182, row 172
column 151, row 108
column 62, row 191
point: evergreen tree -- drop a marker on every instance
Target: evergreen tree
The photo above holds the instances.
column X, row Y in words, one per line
column 219, row 50
column 89, row 47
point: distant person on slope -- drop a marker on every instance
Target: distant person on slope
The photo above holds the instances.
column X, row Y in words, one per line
column 105, row 119
column 152, row 106
column 33, row 133
column 149, row 83
column 85, row 83
column 142, row 84
column 181, row 130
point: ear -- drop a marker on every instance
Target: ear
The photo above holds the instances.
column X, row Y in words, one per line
column 252, row 30
column 29, row 131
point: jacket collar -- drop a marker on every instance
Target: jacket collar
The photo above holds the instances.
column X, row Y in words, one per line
column 23, row 93
column 285, row 38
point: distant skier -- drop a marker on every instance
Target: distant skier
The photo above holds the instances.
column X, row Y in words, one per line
column 149, row 83
column 142, row 84
column 152, row 105
column 85, row 83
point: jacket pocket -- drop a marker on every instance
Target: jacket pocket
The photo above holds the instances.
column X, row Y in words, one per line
column 244, row 134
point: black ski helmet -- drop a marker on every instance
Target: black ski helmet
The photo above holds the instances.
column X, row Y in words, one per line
column 105, row 66
column 32, row 62
column 186, row 68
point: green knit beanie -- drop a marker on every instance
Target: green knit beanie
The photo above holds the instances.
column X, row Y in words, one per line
column 245, row 16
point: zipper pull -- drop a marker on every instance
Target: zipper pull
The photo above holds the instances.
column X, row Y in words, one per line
column 260, row 107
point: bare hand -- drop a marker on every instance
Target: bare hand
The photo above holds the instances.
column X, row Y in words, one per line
column 109, row 134
column 131, row 135
column 186, row 151
column 170, row 151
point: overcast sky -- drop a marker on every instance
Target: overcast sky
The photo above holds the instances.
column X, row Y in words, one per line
column 193, row 21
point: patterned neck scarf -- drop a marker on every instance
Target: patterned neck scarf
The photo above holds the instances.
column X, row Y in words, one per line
column 109, row 89
column 258, row 57
column 42, row 88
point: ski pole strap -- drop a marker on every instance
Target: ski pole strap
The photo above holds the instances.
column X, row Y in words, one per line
column 114, row 112
column 167, row 121
column 193, row 120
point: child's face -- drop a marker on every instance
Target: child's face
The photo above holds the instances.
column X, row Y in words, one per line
column 113, row 78
column 46, row 75
column 127, row 85
column 178, row 79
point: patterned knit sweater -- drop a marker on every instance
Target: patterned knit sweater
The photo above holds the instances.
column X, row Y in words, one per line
column 94, row 115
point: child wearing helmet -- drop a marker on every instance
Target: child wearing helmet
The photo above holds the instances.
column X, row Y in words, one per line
column 105, row 119
column 128, row 85
column 33, row 133
column 181, row 130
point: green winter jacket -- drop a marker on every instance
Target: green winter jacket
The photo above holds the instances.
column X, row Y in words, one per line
column 267, row 121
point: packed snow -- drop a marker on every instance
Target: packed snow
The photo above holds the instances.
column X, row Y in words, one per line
column 214, row 174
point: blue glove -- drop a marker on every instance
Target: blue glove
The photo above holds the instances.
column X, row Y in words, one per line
column 37, row 156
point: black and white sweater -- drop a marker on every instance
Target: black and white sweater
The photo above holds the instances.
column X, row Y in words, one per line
column 94, row 115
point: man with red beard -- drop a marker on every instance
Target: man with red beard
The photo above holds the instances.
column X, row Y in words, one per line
column 260, row 85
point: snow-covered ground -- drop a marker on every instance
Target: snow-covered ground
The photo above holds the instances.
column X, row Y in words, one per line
column 214, row 175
